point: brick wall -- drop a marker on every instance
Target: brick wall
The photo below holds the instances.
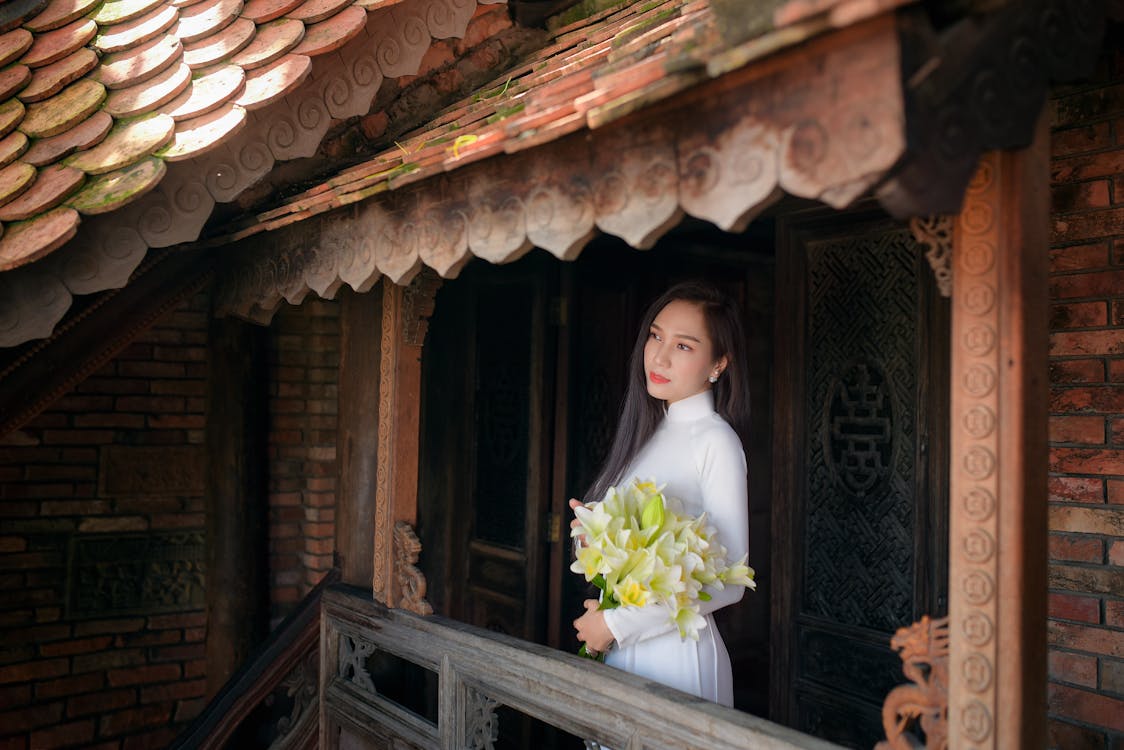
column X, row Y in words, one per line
column 1086, row 544
column 69, row 675
column 303, row 365
column 116, row 462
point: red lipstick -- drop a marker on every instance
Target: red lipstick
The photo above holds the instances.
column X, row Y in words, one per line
column 657, row 379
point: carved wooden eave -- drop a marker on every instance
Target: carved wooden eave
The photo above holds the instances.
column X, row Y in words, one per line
column 886, row 105
column 108, row 248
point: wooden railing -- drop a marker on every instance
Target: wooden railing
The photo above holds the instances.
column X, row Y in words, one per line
column 272, row 700
column 390, row 678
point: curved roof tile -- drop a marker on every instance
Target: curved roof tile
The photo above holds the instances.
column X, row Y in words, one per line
column 118, row 87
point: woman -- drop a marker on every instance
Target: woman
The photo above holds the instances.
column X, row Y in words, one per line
column 687, row 397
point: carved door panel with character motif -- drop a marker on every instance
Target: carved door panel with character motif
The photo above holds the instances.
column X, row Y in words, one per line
column 860, row 495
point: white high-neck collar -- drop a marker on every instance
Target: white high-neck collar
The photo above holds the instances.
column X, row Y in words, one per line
column 693, row 407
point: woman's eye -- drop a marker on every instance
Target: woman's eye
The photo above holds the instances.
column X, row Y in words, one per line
column 653, row 335
column 684, row 347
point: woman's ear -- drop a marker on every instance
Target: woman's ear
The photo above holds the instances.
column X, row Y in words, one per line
column 720, row 365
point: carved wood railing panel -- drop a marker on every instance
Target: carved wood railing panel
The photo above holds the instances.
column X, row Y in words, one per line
column 273, row 698
column 461, row 675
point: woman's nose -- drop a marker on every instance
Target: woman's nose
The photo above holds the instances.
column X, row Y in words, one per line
column 661, row 355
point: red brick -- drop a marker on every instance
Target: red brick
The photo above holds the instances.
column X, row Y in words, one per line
column 101, row 702
column 157, row 638
column 120, row 625
column 1076, row 669
column 69, row 685
column 1087, row 638
column 75, row 733
column 1085, row 430
column 183, row 620
column 113, row 385
column 33, row 670
column 37, row 491
column 1077, row 285
column 151, row 404
column 178, row 387
column 1085, row 138
column 1114, row 614
column 150, row 369
column 1116, row 554
column 107, row 660
column 1082, row 196
column 134, row 718
column 178, row 521
column 320, row 547
column 1071, row 607
column 83, row 403
column 31, row 717
column 1116, row 492
column 1110, row 342
column 1066, row 736
column 12, row 544
column 113, row 523
column 148, row 740
column 16, row 695
column 1087, row 226
column 1116, row 431
column 1082, row 705
column 194, row 635
column 180, row 653
column 1076, row 489
column 174, row 691
column 1076, row 549
column 60, row 471
column 145, row 674
column 1112, row 676
column 81, row 646
column 177, row 421
column 78, row 437
column 123, row 421
column 1087, row 461
column 320, row 499
column 1079, row 257
column 1107, row 521
column 73, row 507
column 1079, row 315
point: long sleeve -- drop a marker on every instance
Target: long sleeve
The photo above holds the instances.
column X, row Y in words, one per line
column 721, row 470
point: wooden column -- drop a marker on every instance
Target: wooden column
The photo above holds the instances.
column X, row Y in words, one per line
column 403, row 325
column 357, row 436
column 236, row 505
column 997, row 547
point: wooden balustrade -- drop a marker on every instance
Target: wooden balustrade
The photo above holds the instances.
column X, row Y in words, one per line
column 390, row 678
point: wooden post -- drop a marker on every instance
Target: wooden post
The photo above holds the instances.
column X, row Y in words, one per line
column 357, row 437
column 236, row 507
column 997, row 568
column 403, row 325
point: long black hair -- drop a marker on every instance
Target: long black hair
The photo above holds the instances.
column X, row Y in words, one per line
column 641, row 413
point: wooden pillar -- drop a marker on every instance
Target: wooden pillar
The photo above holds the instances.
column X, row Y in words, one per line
column 997, row 547
column 403, row 325
column 357, row 436
column 236, row 498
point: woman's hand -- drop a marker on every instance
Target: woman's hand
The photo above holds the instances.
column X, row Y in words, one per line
column 592, row 630
column 580, row 541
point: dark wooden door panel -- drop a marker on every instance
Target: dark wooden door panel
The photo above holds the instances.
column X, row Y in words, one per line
column 860, row 413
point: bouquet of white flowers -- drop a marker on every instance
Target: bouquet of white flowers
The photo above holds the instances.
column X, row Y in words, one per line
column 639, row 549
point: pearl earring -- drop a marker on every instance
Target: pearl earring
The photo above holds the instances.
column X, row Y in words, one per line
column 713, row 378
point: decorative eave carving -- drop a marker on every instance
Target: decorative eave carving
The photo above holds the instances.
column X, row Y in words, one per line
column 109, row 248
column 979, row 86
column 805, row 129
column 935, row 233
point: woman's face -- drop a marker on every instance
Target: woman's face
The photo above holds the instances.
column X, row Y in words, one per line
column 679, row 355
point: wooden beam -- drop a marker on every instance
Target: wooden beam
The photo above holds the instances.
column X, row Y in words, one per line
column 236, row 498
column 357, row 438
column 997, row 569
column 403, row 325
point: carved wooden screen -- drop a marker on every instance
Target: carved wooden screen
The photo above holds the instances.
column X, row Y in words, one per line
column 861, row 492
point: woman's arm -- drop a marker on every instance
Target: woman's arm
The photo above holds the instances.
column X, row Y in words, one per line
column 721, row 466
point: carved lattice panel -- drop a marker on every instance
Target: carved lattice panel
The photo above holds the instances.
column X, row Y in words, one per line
column 860, row 460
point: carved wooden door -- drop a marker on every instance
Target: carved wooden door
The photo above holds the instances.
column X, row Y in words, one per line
column 860, row 502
